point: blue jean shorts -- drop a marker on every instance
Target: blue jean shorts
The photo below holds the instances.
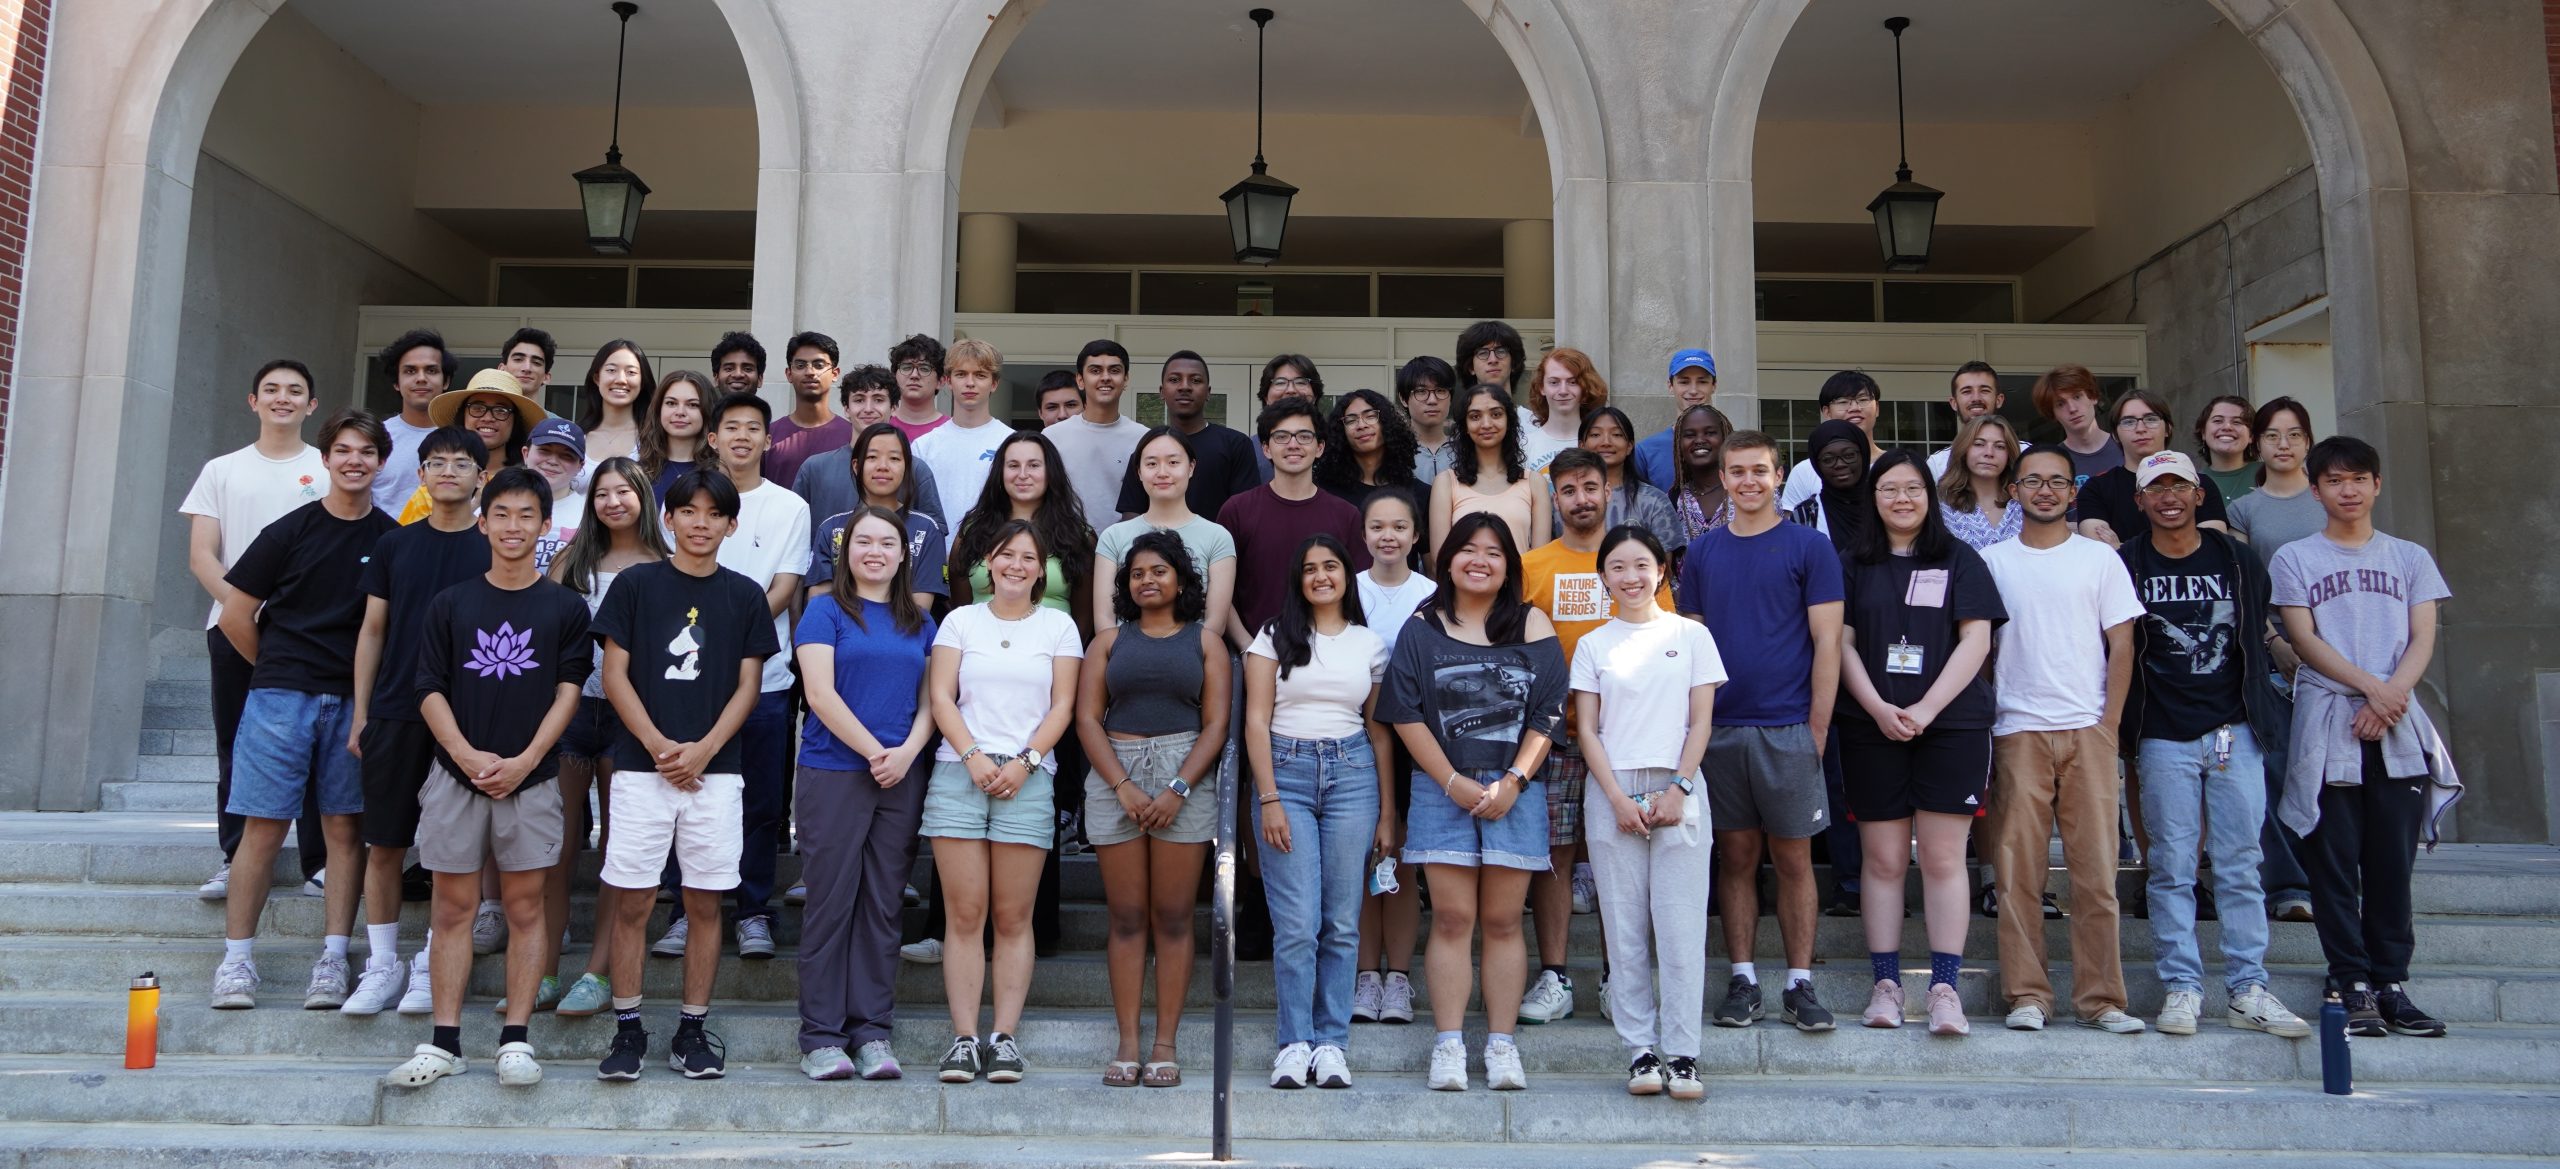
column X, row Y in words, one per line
column 290, row 741
column 1439, row 832
column 954, row 809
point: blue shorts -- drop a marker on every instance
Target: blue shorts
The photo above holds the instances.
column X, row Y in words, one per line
column 591, row 731
column 1439, row 832
column 954, row 809
column 288, row 742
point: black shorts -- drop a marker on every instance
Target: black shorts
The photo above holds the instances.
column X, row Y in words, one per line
column 396, row 755
column 591, row 731
column 1944, row 770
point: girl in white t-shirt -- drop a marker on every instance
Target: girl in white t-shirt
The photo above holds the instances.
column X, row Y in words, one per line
column 1323, row 780
column 1644, row 689
column 1390, row 923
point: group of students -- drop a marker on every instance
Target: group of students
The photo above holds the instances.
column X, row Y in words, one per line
column 1426, row 630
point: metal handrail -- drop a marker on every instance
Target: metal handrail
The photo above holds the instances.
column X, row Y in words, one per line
column 1222, row 967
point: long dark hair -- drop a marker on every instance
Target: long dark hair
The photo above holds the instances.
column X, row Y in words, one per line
column 1508, row 623
column 907, row 450
column 1397, row 447
column 1293, row 630
column 1004, row 535
column 1138, row 458
column 1875, row 544
column 1059, row 519
column 1190, row 593
column 903, row 611
column 1630, row 481
column 591, row 391
column 1514, row 464
column 587, row 549
column 652, row 446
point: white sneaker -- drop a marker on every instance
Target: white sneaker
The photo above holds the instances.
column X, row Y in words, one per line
column 797, row 894
column 2256, row 1008
column 1332, row 1069
column 1549, row 999
column 1605, row 1015
column 1289, row 1068
column 1449, row 1066
column 926, row 953
column 671, row 943
column 421, row 996
column 2178, row 1012
column 1365, row 992
column 2026, row 1017
column 516, row 1066
column 1586, row 890
column 219, row 887
column 1502, row 1071
column 316, row 886
column 235, row 985
column 489, row 929
column 378, row 988
column 1395, row 998
column 2115, row 1022
column 328, row 989
column 431, row 1063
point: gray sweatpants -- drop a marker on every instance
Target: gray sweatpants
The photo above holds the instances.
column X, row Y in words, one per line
column 857, row 841
column 1653, row 908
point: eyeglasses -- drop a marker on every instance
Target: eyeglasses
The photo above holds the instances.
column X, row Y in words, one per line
column 2141, row 422
column 1435, row 393
column 1293, row 383
column 440, row 466
column 916, row 369
column 2046, row 482
column 1489, row 353
column 2173, row 488
column 1293, row 438
column 1857, row 400
column 1912, row 491
column 820, row 365
column 498, row 410
column 2288, row 435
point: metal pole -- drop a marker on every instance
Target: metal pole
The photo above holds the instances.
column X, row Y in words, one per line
column 1222, row 970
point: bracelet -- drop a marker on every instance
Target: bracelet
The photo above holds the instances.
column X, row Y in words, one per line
column 1271, row 797
column 1453, row 778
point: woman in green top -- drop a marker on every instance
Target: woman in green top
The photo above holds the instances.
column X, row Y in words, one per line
column 1028, row 482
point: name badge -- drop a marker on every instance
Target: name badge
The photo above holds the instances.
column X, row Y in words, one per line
column 1902, row 657
column 1928, row 589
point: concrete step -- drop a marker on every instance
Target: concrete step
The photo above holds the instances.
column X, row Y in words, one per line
column 178, row 742
column 185, row 716
column 174, row 768
column 1069, row 1104
column 189, row 795
column 195, row 691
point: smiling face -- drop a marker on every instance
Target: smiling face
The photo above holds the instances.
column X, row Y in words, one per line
column 738, row 372
column 812, row 373
column 2170, row 503
column 419, row 376
column 872, row 549
column 1185, row 391
column 1386, row 525
column 512, row 522
column 1700, row 440
column 2046, row 485
column 1751, row 478
column 680, row 410
column 1605, row 438
column 1014, row 566
column 868, row 404
column 618, row 379
column 2347, row 495
column 1294, row 444
column 1488, row 423
column 1361, row 426
column 1164, row 469
column 1152, row 582
column 1289, row 381
column 2140, row 429
column 1902, row 499
column 283, row 398
column 555, row 463
column 493, row 418
column 1560, row 388
column 1582, row 501
column 2226, row 429
column 1025, row 471
column 1842, row 464
column 351, row 460
column 1857, row 409
column 1975, row 394
column 698, row 527
column 1692, row 387
column 1322, row 577
column 449, row 476
column 1477, row 567
column 884, row 470
column 1102, row 378
column 614, row 501
column 1631, row 574
column 524, row 361
column 740, row 440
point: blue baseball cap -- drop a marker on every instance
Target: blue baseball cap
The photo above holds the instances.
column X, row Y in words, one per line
column 1692, row 359
column 559, row 432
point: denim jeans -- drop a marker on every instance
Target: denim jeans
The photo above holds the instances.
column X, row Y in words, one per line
column 2191, row 796
column 764, row 761
column 1329, row 788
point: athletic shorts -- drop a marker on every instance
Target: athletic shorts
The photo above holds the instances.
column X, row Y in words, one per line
column 954, row 809
column 397, row 753
column 706, row 828
column 1767, row 779
column 1945, row 770
column 460, row 830
column 1563, row 775
column 290, row 742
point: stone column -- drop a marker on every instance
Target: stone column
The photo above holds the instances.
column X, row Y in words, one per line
column 987, row 245
column 1528, row 269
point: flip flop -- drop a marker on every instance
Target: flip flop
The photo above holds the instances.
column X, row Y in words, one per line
column 1120, row 1073
column 1163, row 1073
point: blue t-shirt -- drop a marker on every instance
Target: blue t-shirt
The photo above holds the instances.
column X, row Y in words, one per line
column 877, row 672
column 1654, row 461
column 925, row 549
column 1752, row 591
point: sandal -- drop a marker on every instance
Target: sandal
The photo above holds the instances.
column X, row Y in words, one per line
column 1120, row 1073
column 1162, row 1073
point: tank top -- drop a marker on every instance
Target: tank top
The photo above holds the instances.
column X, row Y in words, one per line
column 1154, row 683
column 1511, row 504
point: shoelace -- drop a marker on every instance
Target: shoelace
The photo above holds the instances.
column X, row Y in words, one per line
column 702, row 1038
column 963, row 1048
column 1006, row 1051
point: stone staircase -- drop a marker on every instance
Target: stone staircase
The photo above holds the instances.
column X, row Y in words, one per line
column 94, row 899
column 175, row 771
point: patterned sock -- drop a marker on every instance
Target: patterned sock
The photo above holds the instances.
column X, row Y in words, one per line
column 1887, row 965
column 1943, row 967
column 626, row 1020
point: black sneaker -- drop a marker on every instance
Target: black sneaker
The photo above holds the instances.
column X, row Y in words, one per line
column 1799, row 1006
column 1990, row 901
column 2053, row 912
column 1741, row 1004
column 1004, row 1059
column 2403, row 1016
column 1683, row 1080
column 698, row 1054
column 2364, row 1014
column 960, row 1064
column 630, row 1046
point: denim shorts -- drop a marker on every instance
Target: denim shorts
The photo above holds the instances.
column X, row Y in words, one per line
column 591, row 731
column 290, row 741
column 1439, row 832
column 954, row 809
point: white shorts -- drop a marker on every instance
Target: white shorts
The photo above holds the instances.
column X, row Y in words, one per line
column 705, row 826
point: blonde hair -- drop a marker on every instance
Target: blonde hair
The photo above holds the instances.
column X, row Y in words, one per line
column 1577, row 364
column 976, row 352
column 1956, row 486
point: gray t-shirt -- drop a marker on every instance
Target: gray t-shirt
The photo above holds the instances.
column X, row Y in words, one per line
column 2270, row 522
column 2359, row 597
column 1207, row 542
column 826, row 485
column 1096, row 458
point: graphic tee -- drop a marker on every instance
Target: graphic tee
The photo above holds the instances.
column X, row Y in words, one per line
column 685, row 635
column 1643, row 675
column 2052, row 673
column 1752, row 593
column 2110, row 497
column 244, row 491
column 2359, row 597
column 826, row 484
column 1902, row 606
column 1475, row 700
column 877, row 672
column 2192, row 655
column 410, row 567
column 499, row 657
column 309, row 569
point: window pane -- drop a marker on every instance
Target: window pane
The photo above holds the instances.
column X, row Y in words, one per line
column 563, row 286
column 1816, row 300
column 1411, row 295
column 714, row 288
column 1970, row 302
column 1080, row 293
column 1218, row 294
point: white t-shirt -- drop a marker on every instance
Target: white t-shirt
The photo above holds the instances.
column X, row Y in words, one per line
column 245, row 491
column 1096, row 458
column 1643, row 675
column 1387, row 609
column 1006, row 671
column 2052, row 673
column 1323, row 699
column 1803, row 483
column 961, row 457
column 772, row 539
column 1537, row 447
column 398, row 479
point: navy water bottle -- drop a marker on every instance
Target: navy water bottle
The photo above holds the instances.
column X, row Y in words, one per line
column 2337, row 1066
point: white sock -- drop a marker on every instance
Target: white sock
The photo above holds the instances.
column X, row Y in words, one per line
column 385, row 942
column 1747, row 972
column 1796, row 974
column 236, row 948
column 1498, row 1042
column 335, row 945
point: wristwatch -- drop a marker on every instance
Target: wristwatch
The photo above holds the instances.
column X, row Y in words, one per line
column 1179, row 787
column 1524, row 777
column 1688, row 786
column 1030, row 759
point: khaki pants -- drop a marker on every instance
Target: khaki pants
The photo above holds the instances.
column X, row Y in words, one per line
column 2039, row 779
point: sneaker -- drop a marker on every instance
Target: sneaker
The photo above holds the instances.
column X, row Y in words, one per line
column 1884, row 1004
column 2052, row 910
column 328, row 989
column 1071, row 838
column 2178, row 1012
column 630, row 1047
column 698, row 1053
column 960, row 1063
column 755, row 937
column 2364, row 1012
column 671, row 943
column 2026, row 1017
column 1946, row 1011
column 826, row 1063
column 585, row 997
column 925, row 953
column 378, row 988
column 1395, row 998
column 2291, row 909
column 516, row 1066
column 235, row 985
column 2115, row 1022
column 1644, row 1075
column 1586, row 890
column 317, row 886
column 2256, row 1008
column 1742, row 1006
column 1606, row 1015
column 1549, row 999
column 1990, row 901
column 1365, row 992
column 910, row 898
column 797, row 894
column 420, row 998
column 1289, row 1068
column 488, row 930
column 1332, row 1068
column 1502, row 1071
column 874, row 1061
column 2403, row 1016
column 1449, row 1066
column 1004, row 1059
column 429, row 1064
column 545, row 996
column 1799, row 1006
column 1683, row 1079
column 219, row 887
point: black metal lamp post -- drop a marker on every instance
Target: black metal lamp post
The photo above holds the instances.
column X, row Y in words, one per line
column 610, row 194
column 1258, row 205
column 1906, row 212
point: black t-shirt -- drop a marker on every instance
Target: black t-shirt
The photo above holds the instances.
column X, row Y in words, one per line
column 499, row 657
column 1225, row 470
column 686, row 636
column 410, row 567
column 1906, row 601
column 2109, row 497
column 309, row 569
column 2191, row 656
column 1476, row 700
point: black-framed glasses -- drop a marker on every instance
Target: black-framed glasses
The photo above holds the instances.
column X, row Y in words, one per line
column 498, row 410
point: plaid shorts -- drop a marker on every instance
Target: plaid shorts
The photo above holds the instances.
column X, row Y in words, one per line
column 1563, row 775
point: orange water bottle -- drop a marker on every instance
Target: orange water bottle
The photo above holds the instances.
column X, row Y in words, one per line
column 142, row 1022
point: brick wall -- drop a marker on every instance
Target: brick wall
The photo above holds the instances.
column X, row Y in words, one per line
column 24, row 26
